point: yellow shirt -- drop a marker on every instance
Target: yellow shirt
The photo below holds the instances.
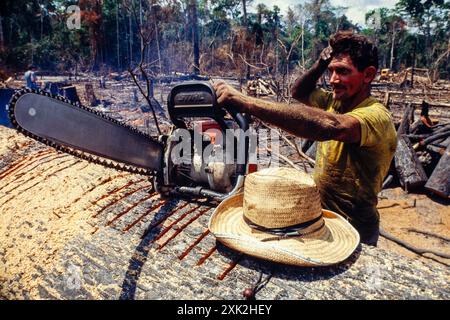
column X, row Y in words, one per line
column 350, row 176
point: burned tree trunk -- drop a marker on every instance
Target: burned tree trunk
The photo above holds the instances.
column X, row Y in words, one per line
column 410, row 171
column 90, row 95
column 439, row 182
column 70, row 93
column 405, row 123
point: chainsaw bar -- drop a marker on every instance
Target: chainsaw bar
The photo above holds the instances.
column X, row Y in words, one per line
column 83, row 132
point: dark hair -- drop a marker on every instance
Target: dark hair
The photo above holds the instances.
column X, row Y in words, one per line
column 31, row 66
column 360, row 49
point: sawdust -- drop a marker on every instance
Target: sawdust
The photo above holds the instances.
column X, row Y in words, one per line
column 11, row 141
column 43, row 209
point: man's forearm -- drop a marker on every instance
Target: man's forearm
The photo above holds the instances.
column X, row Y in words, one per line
column 306, row 83
column 307, row 122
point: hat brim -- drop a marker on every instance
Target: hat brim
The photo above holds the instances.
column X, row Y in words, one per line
column 332, row 244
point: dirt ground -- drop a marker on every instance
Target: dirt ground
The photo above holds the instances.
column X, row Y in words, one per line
column 400, row 212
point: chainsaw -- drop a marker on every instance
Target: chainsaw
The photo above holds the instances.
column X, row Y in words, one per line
column 92, row 135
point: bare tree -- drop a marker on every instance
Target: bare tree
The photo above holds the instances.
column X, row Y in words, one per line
column 288, row 54
column 145, row 34
column 244, row 9
column 193, row 17
column 435, row 65
column 300, row 16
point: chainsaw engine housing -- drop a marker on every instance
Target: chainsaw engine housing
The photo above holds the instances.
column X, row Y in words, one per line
column 193, row 109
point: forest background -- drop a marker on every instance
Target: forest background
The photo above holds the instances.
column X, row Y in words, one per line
column 235, row 38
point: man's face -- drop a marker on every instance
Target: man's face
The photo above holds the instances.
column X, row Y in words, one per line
column 345, row 79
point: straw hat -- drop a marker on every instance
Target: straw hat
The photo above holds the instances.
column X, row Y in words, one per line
column 279, row 218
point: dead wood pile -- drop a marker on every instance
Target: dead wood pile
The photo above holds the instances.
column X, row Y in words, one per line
column 422, row 158
column 260, row 87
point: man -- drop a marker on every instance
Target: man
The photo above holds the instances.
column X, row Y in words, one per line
column 356, row 133
column 31, row 78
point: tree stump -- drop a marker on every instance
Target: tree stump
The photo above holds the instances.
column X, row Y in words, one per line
column 90, row 95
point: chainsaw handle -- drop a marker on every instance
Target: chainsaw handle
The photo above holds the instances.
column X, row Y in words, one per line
column 197, row 99
column 242, row 122
column 240, row 119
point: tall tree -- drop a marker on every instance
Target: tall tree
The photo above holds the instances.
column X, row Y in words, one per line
column 245, row 23
column 396, row 25
column 193, row 16
column 261, row 10
column 291, row 20
column 244, row 9
column 91, row 13
column 429, row 16
column 316, row 8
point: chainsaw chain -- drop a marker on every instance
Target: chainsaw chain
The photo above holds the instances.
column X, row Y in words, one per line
column 74, row 152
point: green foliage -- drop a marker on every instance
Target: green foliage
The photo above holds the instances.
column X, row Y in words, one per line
column 35, row 31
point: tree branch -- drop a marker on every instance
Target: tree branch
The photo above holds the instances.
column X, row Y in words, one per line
column 410, row 247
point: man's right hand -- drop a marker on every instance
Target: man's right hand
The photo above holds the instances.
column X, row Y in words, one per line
column 227, row 96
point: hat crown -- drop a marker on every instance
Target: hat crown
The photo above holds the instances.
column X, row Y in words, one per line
column 280, row 197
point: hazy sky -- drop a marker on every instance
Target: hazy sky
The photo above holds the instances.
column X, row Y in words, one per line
column 356, row 8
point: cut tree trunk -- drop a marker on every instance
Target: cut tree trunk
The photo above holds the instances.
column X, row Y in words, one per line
column 70, row 93
column 439, row 182
column 409, row 169
column 405, row 123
